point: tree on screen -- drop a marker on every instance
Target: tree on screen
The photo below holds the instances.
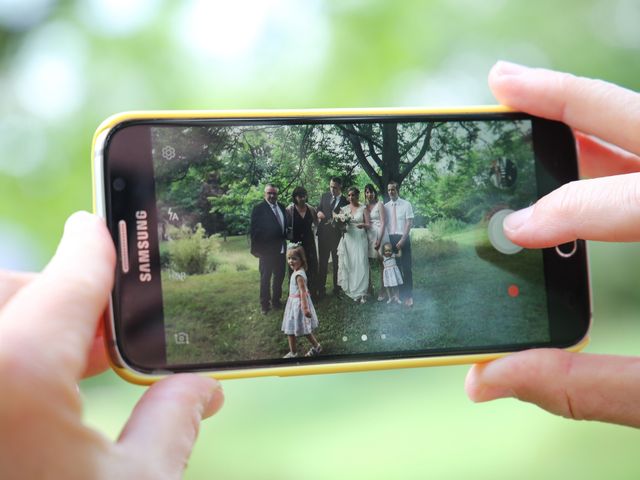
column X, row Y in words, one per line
column 444, row 169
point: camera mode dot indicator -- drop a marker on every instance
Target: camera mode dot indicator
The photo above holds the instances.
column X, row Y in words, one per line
column 345, row 338
column 513, row 291
column 364, row 338
column 496, row 234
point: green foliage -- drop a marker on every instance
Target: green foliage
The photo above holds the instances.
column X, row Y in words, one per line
column 456, row 182
column 190, row 250
column 165, row 255
column 231, row 166
column 236, row 205
column 184, row 182
column 445, row 168
column 213, row 262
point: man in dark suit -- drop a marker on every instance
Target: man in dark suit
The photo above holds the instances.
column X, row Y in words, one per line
column 328, row 237
column 268, row 243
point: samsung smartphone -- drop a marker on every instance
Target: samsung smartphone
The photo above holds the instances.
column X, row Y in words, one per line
column 178, row 190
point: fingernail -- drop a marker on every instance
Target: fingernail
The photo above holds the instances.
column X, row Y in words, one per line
column 503, row 67
column 487, row 393
column 478, row 390
column 77, row 222
column 514, row 221
column 216, row 400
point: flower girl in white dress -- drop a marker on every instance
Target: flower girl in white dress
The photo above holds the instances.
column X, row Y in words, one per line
column 299, row 315
column 391, row 276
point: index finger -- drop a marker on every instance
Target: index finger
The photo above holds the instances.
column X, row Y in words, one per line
column 603, row 109
column 51, row 322
column 601, row 209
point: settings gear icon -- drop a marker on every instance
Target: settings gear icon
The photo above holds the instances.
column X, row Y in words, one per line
column 168, row 152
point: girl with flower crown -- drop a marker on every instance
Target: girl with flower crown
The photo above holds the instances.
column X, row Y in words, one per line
column 299, row 315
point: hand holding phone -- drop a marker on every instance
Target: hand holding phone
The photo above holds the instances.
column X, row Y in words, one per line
column 48, row 342
column 596, row 387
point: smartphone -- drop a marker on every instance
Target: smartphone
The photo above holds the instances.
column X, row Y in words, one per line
column 398, row 214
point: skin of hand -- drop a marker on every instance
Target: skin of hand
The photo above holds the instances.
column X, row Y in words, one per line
column 49, row 340
column 605, row 207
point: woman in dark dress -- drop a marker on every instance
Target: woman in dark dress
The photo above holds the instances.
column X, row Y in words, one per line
column 302, row 217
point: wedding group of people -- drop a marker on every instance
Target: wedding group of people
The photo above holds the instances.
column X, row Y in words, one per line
column 355, row 235
column 374, row 232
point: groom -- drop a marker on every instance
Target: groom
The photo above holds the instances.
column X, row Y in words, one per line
column 399, row 219
column 328, row 237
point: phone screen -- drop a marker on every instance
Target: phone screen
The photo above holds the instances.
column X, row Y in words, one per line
column 373, row 238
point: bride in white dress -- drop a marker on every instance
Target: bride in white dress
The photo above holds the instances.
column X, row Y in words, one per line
column 353, row 249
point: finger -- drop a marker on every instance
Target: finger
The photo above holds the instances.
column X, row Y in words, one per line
column 54, row 318
column 97, row 361
column 11, row 282
column 599, row 159
column 164, row 424
column 604, row 209
column 595, row 107
column 574, row 385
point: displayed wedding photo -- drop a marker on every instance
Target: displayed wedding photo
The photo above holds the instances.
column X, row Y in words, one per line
column 323, row 240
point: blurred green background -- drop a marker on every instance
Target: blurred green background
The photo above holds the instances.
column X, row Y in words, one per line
column 65, row 66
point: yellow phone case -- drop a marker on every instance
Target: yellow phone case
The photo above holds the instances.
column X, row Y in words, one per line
column 99, row 207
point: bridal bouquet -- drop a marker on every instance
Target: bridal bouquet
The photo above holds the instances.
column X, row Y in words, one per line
column 340, row 221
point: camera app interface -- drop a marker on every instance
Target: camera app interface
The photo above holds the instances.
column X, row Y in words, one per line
column 359, row 240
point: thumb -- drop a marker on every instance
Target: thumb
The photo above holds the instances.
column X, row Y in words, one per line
column 164, row 424
column 574, row 385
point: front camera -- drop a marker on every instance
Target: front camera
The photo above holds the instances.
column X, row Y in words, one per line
column 119, row 184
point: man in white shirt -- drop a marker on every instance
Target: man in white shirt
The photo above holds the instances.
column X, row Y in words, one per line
column 399, row 219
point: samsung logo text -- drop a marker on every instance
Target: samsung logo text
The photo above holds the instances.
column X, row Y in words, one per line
column 142, row 242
